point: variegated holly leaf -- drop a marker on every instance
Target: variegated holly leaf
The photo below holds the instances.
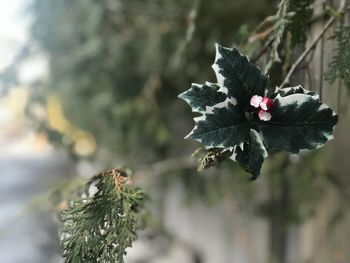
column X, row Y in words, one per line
column 237, row 76
column 299, row 121
column 223, row 127
column 251, row 154
column 201, row 96
column 292, row 90
column 237, row 117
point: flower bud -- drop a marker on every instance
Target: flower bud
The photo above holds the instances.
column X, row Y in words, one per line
column 264, row 115
column 255, row 101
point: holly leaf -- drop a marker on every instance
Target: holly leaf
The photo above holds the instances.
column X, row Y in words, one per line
column 252, row 154
column 222, row 126
column 229, row 127
column 237, row 77
column 201, row 96
column 299, row 121
column 292, row 90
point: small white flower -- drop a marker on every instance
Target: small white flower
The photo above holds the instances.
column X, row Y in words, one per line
column 255, row 101
column 264, row 115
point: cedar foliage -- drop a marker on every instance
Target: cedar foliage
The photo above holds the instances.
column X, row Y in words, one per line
column 339, row 67
column 302, row 14
column 282, row 19
column 102, row 223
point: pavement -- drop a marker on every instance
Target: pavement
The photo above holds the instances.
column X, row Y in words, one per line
column 29, row 235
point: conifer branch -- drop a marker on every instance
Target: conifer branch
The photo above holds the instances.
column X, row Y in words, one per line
column 311, row 47
column 340, row 64
column 282, row 20
column 163, row 167
column 99, row 225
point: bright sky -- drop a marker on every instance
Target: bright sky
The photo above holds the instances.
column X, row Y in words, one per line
column 14, row 21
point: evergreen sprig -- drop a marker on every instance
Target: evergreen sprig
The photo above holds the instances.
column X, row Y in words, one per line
column 282, row 19
column 99, row 225
column 339, row 68
column 302, row 14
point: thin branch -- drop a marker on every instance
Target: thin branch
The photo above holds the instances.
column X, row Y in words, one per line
column 322, row 59
column 262, row 52
column 191, row 28
column 309, row 77
column 266, row 22
column 306, row 52
column 163, row 167
column 311, row 57
column 339, row 96
column 311, row 47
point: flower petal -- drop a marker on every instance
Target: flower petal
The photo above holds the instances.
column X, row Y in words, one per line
column 264, row 115
column 255, row 101
column 266, row 104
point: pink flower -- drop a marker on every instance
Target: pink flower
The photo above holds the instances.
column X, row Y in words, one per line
column 264, row 115
column 266, row 103
column 255, row 101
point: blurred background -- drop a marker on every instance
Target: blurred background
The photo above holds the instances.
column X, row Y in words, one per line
column 90, row 85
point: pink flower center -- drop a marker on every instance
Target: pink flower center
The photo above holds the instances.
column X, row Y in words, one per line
column 264, row 104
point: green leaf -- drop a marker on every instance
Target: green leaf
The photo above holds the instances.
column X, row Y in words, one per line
column 223, row 126
column 252, row 154
column 299, row 121
column 237, row 77
column 200, row 96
